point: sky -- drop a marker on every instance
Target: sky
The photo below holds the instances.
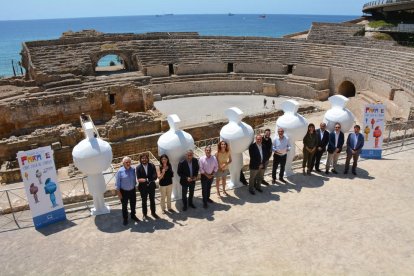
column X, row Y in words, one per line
column 48, row 9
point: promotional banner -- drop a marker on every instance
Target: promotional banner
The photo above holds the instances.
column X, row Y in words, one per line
column 373, row 130
column 40, row 181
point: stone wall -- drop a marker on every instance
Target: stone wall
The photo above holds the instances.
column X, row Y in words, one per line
column 312, row 71
column 24, row 115
column 194, row 87
column 405, row 103
column 64, row 135
column 200, row 68
column 339, row 75
column 125, row 125
column 300, row 90
column 157, row 71
column 261, row 68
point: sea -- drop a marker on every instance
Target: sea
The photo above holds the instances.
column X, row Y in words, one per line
column 14, row 32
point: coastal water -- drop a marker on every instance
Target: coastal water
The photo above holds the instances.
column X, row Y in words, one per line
column 13, row 33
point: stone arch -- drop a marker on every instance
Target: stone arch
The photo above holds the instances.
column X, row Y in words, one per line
column 347, row 89
column 125, row 57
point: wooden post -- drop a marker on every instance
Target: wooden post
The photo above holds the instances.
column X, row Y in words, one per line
column 14, row 70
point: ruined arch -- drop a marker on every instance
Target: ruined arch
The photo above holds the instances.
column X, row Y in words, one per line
column 347, row 89
column 123, row 57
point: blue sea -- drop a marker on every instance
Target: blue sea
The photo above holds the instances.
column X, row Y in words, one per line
column 13, row 33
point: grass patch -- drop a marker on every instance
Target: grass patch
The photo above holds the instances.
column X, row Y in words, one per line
column 380, row 24
column 382, row 36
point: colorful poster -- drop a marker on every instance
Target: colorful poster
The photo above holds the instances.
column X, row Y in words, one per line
column 373, row 130
column 42, row 189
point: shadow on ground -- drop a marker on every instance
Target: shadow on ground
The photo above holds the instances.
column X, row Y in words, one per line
column 56, row 227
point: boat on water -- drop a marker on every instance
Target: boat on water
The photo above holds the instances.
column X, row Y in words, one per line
column 231, row 14
column 262, row 16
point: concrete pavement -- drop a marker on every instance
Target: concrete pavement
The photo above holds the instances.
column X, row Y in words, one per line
column 312, row 225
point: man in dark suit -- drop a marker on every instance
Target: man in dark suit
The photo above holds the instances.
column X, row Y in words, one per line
column 267, row 150
column 146, row 175
column 256, row 165
column 323, row 139
column 335, row 144
column 188, row 171
column 354, row 145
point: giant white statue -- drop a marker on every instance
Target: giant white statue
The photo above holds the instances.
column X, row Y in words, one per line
column 295, row 127
column 92, row 156
column 239, row 136
column 338, row 114
column 175, row 143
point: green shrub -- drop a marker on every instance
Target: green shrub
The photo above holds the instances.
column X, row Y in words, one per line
column 379, row 24
column 382, row 36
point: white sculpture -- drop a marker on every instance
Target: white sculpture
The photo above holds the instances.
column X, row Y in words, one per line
column 92, row 156
column 295, row 127
column 175, row 143
column 338, row 114
column 239, row 136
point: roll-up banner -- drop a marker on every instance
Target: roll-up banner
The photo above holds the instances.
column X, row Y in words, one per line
column 373, row 131
column 42, row 189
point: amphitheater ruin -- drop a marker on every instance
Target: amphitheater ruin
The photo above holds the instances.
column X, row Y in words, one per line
column 62, row 81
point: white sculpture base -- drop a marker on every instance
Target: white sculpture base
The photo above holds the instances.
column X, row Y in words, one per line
column 235, row 168
column 102, row 211
column 176, row 195
column 233, row 185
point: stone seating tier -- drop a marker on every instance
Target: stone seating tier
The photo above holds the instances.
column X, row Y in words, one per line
column 394, row 66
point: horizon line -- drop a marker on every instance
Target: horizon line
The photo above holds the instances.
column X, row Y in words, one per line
column 173, row 14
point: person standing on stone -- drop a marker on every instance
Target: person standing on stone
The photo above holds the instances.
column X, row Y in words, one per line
column 188, row 171
column 125, row 183
column 265, row 103
column 281, row 146
column 335, row 144
column 223, row 157
column 267, row 150
column 354, row 145
column 147, row 175
column 323, row 139
column 165, row 176
column 208, row 167
column 256, row 165
column 310, row 142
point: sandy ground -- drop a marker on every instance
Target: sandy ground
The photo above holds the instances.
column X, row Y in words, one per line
column 196, row 110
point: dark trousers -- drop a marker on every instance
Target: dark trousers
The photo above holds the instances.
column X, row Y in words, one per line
column 206, row 187
column 146, row 190
column 307, row 161
column 242, row 177
column 348, row 160
column 130, row 196
column 317, row 158
column 277, row 159
column 185, row 187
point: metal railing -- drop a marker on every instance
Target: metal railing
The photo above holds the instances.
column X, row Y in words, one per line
column 384, row 3
column 14, row 206
column 400, row 28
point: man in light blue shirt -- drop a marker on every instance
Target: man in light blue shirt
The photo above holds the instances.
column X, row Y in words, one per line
column 125, row 187
column 281, row 146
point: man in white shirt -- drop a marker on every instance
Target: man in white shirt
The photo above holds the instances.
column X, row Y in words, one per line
column 335, row 144
column 281, row 146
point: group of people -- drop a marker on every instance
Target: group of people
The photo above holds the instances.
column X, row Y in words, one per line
column 315, row 143
column 144, row 177
column 211, row 167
